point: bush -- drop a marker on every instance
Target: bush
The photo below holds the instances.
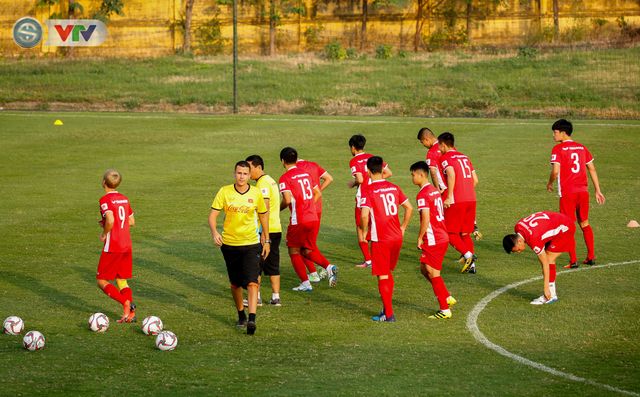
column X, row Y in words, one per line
column 574, row 34
column 335, row 51
column 403, row 54
column 527, row 52
column 383, row 51
column 448, row 37
column 536, row 36
column 312, row 35
column 209, row 37
column 352, row 53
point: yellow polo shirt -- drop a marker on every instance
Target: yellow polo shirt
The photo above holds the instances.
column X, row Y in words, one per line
column 241, row 214
column 270, row 190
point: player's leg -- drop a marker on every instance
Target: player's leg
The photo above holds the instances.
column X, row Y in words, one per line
column 430, row 267
column 233, row 263
column 468, row 211
column 271, row 268
column 125, row 291
column 382, row 269
column 314, row 277
column 294, row 245
column 108, row 270
column 568, row 207
column 311, row 251
column 362, row 242
column 251, row 272
column 582, row 213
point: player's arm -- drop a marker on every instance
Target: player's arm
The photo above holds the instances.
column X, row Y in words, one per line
column 475, row 178
column 596, row 184
column 316, row 194
column 286, row 199
column 451, row 183
column 433, row 171
column 326, row 179
column 213, row 217
column 132, row 220
column 424, row 225
column 408, row 211
column 544, row 262
column 555, row 170
column 364, row 220
column 264, row 238
column 109, row 220
column 357, row 180
column 386, row 172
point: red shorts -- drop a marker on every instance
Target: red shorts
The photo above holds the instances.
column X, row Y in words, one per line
column 460, row 217
column 303, row 235
column 564, row 242
column 434, row 255
column 114, row 265
column 358, row 213
column 384, row 256
column 575, row 205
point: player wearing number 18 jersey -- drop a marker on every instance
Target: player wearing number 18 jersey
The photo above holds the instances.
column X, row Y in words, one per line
column 379, row 204
column 549, row 234
column 300, row 194
column 570, row 162
column 115, row 260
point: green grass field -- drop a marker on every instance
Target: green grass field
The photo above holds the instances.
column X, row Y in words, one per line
column 322, row 343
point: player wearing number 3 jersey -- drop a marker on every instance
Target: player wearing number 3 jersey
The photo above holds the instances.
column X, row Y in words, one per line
column 115, row 260
column 570, row 162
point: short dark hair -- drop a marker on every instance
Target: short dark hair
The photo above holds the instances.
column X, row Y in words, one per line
column 447, row 139
column 563, row 125
column 374, row 164
column 358, row 141
column 256, row 160
column 424, row 131
column 420, row 166
column 242, row 163
column 289, row 155
column 508, row 242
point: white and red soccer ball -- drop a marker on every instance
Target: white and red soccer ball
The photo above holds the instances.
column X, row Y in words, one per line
column 166, row 340
column 13, row 325
column 98, row 322
column 152, row 325
column 33, row 340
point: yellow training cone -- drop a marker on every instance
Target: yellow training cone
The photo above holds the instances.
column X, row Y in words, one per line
column 58, row 122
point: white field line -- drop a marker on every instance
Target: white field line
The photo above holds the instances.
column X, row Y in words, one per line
column 179, row 116
column 472, row 325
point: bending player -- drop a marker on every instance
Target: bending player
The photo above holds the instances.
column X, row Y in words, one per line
column 549, row 234
column 379, row 205
column 570, row 162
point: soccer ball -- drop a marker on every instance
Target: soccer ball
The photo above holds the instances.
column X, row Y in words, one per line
column 166, row 340
column 33, row 340
column 13, row 325
column 152, row 325
column 98, row 322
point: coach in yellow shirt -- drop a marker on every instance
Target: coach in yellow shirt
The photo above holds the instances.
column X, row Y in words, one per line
column 271, row 195
column 240, row 242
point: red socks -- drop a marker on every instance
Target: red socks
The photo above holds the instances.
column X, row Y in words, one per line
column 309, row 265
column 587, row 231
column 468, row 243
column 126, row 294
column 385, row 287
column 456, row 242
column 299, row 267
column 112, row 292
column 316, row 257
column 552, row 273
column 440, row 291
column 364, row 247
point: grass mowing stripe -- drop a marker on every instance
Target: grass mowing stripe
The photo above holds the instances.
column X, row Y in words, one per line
column 472, row 326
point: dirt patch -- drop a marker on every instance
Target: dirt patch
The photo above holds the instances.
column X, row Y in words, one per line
column 187, row 79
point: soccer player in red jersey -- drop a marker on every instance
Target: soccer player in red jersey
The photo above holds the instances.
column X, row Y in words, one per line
column 300, row 194
column 433, row 238
column 549, row 234
column 570, row 162
column 322, row 178
column 460, row 199
column 429, row 140
column 379, row 205
column 358, row 166
column 116, row 260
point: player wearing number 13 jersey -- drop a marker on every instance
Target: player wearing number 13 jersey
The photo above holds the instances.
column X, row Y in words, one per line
column 460, row 200
column 570, row 162
column 300, row 193
column 379, row 203
column 549, row 234
column 115, row 260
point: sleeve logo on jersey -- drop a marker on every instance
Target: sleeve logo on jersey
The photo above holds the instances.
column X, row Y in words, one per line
column 265, row 191
column 250, row 200
column 104, row 206
column 553, row 157
column 537, row 250
column 421, row 202
column 282, row 186
column 445, row 164
column 353, row 169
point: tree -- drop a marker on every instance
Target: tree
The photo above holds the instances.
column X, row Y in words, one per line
column 556, row 21
column 188, row 16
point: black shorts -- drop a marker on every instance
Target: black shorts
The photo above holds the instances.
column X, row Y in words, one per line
column 271, row 265
column 243, row 263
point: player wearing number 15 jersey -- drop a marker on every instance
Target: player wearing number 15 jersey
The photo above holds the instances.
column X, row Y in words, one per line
column 433, row 239
column 379, row 204
column 460, row 200
column 115, row 260
column 549, row 234
column 570, row 162
column 300, row 194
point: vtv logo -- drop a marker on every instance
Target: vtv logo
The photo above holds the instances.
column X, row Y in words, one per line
column 76, row 32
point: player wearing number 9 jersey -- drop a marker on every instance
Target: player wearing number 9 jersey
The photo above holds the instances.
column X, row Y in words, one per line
column 570, row 162
column 115, row 260
column 300, row 194
column 460, row 202
column 379, row 203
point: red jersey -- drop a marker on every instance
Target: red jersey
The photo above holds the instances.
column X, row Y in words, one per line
column 358, row 164
column 539, row 228
column 300, row 184
column 383, row 199
column 119, row 238
column 315, row 171
column 464, row 190
column 433, row 160
column 573, row 158
column 429, row 199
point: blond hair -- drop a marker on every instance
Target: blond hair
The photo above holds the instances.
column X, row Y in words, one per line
column 112, row 178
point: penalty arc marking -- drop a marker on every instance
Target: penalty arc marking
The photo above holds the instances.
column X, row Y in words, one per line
column 472, row 326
